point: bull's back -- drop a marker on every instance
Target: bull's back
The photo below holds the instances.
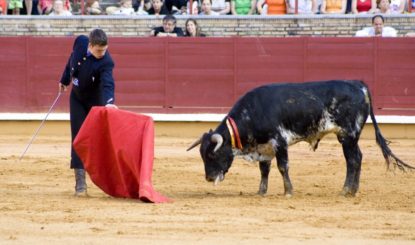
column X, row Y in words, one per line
column 298, row 93
column 300, row 107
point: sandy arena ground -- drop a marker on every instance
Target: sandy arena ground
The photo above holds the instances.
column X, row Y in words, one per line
column 37, row 205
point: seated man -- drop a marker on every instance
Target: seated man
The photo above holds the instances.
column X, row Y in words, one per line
column 378, row 29
column 168, row 29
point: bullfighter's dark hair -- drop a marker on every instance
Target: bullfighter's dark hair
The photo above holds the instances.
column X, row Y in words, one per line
column 98, row 37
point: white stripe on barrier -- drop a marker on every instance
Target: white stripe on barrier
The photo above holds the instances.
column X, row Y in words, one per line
column 177, row 117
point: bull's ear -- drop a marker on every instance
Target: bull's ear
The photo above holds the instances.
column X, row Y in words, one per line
column 196, row 143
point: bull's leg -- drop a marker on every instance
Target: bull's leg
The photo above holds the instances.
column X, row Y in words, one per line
column 265, row 167
column 353, row 157
column 282, row 162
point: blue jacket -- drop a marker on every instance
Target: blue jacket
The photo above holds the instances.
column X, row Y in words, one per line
column 90, row 77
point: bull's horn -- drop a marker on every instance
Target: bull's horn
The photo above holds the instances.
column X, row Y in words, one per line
column 196, row 143
column 218, row 139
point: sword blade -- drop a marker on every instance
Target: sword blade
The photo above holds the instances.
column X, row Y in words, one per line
column 40, row 126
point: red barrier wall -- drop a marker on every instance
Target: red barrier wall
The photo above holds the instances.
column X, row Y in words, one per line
column 182, row 75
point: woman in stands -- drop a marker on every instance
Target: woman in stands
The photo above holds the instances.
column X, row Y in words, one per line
column 207, row 8
column 396, row 6
column 3, row 7
column 92, row 7
column 221, row 6
column 243, row 7
column 158, row 8
column 333, row 7
column 193, row 29
column 304, row 6
column 363, row 6
column 273, row 7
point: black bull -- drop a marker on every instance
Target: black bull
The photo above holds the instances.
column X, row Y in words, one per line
column 267, row 119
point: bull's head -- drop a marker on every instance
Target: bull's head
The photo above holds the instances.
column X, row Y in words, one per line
column 216, row 154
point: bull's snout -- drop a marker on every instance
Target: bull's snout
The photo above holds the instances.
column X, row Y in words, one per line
column 215, row 178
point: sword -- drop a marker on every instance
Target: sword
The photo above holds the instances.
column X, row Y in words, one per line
column 41, row 125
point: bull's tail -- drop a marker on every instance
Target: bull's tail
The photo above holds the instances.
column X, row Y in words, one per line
column 383, row 144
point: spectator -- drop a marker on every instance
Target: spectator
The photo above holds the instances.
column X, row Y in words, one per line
column 363, row 6
column 45, row 6
column 168, row 29
column 137, row 4
column 273, row 7
column 92, row 7
column 378, row 29
column 243, row 7
column 158, row 8
column 193, row 29
column 31, row 7
column 28, row 6
column 207, row 8
column 143, row 7
column 3, row 7
column 304, row 6
column 333, row 7
column 195, row 8
column 221, row 6
column 126, row 8
column 59, row 10
column 15, row 6
column 176, row 6
column 397, row 6
column 384, row 7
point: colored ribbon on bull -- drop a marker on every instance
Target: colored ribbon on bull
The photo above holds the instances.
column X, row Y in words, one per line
column 228, row 124
column 233, row 130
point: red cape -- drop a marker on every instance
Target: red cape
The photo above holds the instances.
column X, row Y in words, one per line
column 117, row 150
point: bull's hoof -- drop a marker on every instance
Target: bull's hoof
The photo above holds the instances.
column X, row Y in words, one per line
column 262, row 190
column 261, row 193
column 288, row 195
column 81, row 194
column 347, row 192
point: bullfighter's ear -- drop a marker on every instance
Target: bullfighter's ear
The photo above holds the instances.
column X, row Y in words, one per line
column 196, row 143
column 210, row 131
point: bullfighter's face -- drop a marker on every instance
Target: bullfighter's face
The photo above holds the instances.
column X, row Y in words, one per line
column 217, row 163
column 98, row 51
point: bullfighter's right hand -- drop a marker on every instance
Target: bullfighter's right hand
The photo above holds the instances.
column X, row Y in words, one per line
column 62, row 88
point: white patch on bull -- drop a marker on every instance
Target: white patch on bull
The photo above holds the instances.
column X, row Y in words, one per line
column 262, row 152
column 366, row 93
column 326, row 125
column 333, row 104
column 358, row 124
column 289, row 137
column 245, row 115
